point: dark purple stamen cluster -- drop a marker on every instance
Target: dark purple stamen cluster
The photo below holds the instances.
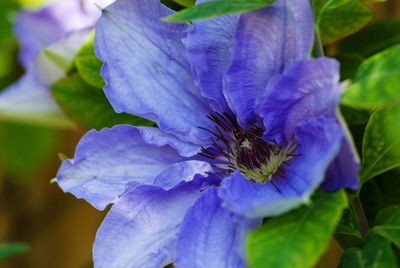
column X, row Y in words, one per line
column 234, row 148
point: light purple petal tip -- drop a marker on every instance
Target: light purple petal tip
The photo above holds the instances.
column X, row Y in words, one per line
column 106, row 161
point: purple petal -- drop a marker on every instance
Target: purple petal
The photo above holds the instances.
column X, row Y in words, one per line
column 181, row 171
column 306, row 89
column 38, row 29
column 55, row 60
column 256, row 200
column 343, row 172
column 146, row 68
column 106, row 161
column 319, row 141
column 29, row 100
column 209, row 44
column 211, row 236
column 318, row 144
column 27, row 95
column 266, row 42
column 142, row 226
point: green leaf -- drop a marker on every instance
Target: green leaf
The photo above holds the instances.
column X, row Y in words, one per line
column 335, row 19
column 88, row 105
column 390, row 229
column 185, row 3
column 298, row 238
column 347, row 233
column 354, row 116
column 386, row 213
column 45, row 119
column 33, row 4
column 7, row 13
column 357, row 131
column 8, row 250
column 372, row 200
column 217, row 8
column 178, row 5
column 381, row 143
column 376, row 253
column 89, row 65
column 352, row 258
column 349, row 64
column 347, row 237
column 24, row 148
column 374, row 38
column 10, row 70
column 58, row 60
column 389, row 185
column 172, row 5
column 376, row 82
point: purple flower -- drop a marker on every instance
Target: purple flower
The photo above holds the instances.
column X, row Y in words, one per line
column 49, row 39
column 248, row 128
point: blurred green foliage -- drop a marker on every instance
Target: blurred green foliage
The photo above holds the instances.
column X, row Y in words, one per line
column 88, row 106
column 25, row 148
column 8, row 10
column 8, row 250
column 10, row 70
column 376, row 252
column 32, row 4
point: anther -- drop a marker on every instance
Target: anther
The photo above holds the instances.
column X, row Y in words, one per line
column 233, row 148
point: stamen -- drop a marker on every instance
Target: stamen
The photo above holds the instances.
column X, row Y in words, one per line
column 234, row 148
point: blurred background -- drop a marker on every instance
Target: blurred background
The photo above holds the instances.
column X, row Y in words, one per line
column 57, row 228
column 51, row 229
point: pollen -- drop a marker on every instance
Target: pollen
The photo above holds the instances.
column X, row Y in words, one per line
column 246, row 144
column 234, row 148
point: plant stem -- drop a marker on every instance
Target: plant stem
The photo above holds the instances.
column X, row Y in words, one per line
column 319, row 49
column 360, row 215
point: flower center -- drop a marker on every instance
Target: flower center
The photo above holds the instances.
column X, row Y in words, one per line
column 234, row 148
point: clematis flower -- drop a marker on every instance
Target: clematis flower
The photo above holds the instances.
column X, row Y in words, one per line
column 247, row 128
column 49, row 39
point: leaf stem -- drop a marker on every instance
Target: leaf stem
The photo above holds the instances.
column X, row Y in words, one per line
column 360, row 215
column 319, row 49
